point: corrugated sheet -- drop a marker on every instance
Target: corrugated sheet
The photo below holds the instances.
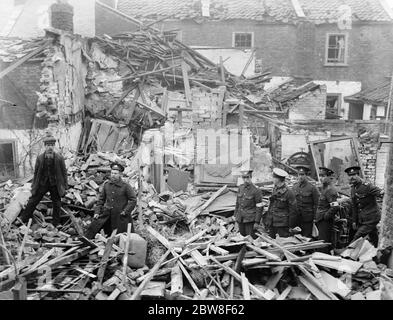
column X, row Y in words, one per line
column 379, row 94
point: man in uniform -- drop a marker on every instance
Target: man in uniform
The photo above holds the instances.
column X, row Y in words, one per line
column 365, row 210
column 116, row 201
column 282, row 211
column 249, row 206
column 50, row 174
column 326, row 210
column 307, row 197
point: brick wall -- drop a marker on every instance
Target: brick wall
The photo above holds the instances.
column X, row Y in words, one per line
column 311, row 105
column 300, row 50
column 62, row 16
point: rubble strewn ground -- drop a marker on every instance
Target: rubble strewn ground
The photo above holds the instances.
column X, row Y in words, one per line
column 202, row 254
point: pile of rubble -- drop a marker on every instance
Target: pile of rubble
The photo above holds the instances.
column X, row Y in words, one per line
column 190, row 251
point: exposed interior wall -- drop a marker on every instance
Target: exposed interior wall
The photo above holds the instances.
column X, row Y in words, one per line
column 310, row 105
column 29, row 144
column 345, row 88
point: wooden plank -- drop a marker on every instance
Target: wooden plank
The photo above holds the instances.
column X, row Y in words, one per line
column 4, row 248
column 217, row 250
column 186, row 83
column 19, row 291
column 154, row 290
column 245, row 287
column 145, row 73
column 273, row 281
column 150, row 275
column 285, row 293
column 199, row 210
column 222, row 71
column 23, row 60
column 234, row 274
column 196, row 236
column 176, row 281
column 343, row 265
column 199, row 258
column 22, row 246
column 67, row 259
column 122, row 97
column 126, row 254
column 320, row 295
column 265, row 253
column 104, row 260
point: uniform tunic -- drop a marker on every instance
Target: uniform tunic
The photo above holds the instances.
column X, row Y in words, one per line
column 115, row 197
column 307, row 197
column 282, row 212
column 366, row 213
column 248, row 208
column 325, row 214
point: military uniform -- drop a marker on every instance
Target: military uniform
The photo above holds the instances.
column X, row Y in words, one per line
column 307, row 196
column 325, row 214
column 248, row 209
column 115, row 197
column 366, row 213
column 282, row 211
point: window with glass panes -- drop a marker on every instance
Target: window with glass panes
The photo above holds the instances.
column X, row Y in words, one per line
column 242, row 40
column 336, row 47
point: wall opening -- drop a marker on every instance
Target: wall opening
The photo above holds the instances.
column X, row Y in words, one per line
column 333, row 105
column 8, row 162
column 356, row 111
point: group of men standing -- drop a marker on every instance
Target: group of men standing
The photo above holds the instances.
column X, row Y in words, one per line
column 302, row 206
column 305, row 206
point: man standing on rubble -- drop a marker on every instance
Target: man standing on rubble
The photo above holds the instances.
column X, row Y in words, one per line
column 50, row 174
column 327, row 209
column 282, row 212
column 113, row 210
column 249, row 206
column 365, row 209
column 307, row 196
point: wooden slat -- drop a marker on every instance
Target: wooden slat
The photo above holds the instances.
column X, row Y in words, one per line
column 22, row 60
column 104, row 260
column 245, row 287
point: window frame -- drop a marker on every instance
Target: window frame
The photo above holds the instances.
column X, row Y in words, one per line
column 178, row 37
column 242, row 32
column 339, row 101
column 14, row 144
column 336, row 64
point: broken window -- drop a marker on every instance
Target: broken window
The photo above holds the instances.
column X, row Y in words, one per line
column 377, row 112
column 7, row 160
column 333, row 104
column 336, row 48
column 242, row 39
column 172, row 36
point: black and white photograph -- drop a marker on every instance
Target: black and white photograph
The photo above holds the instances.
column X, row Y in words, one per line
column 196, row 157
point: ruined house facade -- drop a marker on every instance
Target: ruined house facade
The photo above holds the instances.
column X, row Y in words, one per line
column 346, row 45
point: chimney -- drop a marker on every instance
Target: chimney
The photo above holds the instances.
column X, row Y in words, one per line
column 62, row 16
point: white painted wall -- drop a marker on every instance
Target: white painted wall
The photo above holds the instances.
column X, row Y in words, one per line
column 234, row 59
column 346, row 88
column 68, row 142
column 366, row 111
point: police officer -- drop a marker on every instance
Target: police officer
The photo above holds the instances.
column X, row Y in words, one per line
column 365, row 211
column 249, row 206
column 326, row 210
column 116, row 201
column 307, row 197
column 282, row 211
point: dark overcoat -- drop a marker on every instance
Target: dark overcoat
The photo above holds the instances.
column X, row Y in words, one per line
column 60, row 172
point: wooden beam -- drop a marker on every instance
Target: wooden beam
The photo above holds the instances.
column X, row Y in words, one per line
column 150, row 275
column 123, row 96
column 186, row 83
column 265, row 253
column 145, row 73
column 245, row 287
column 104, row 260
column 22, row 246
column 23, row 60
column 126, row 254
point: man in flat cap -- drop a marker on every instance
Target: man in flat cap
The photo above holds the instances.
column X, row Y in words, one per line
column 114, row 206
column 249, row 206
column 50, row 174
column 326, row 210
column 307, row 197
column 365, row 211
column 282, row 212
